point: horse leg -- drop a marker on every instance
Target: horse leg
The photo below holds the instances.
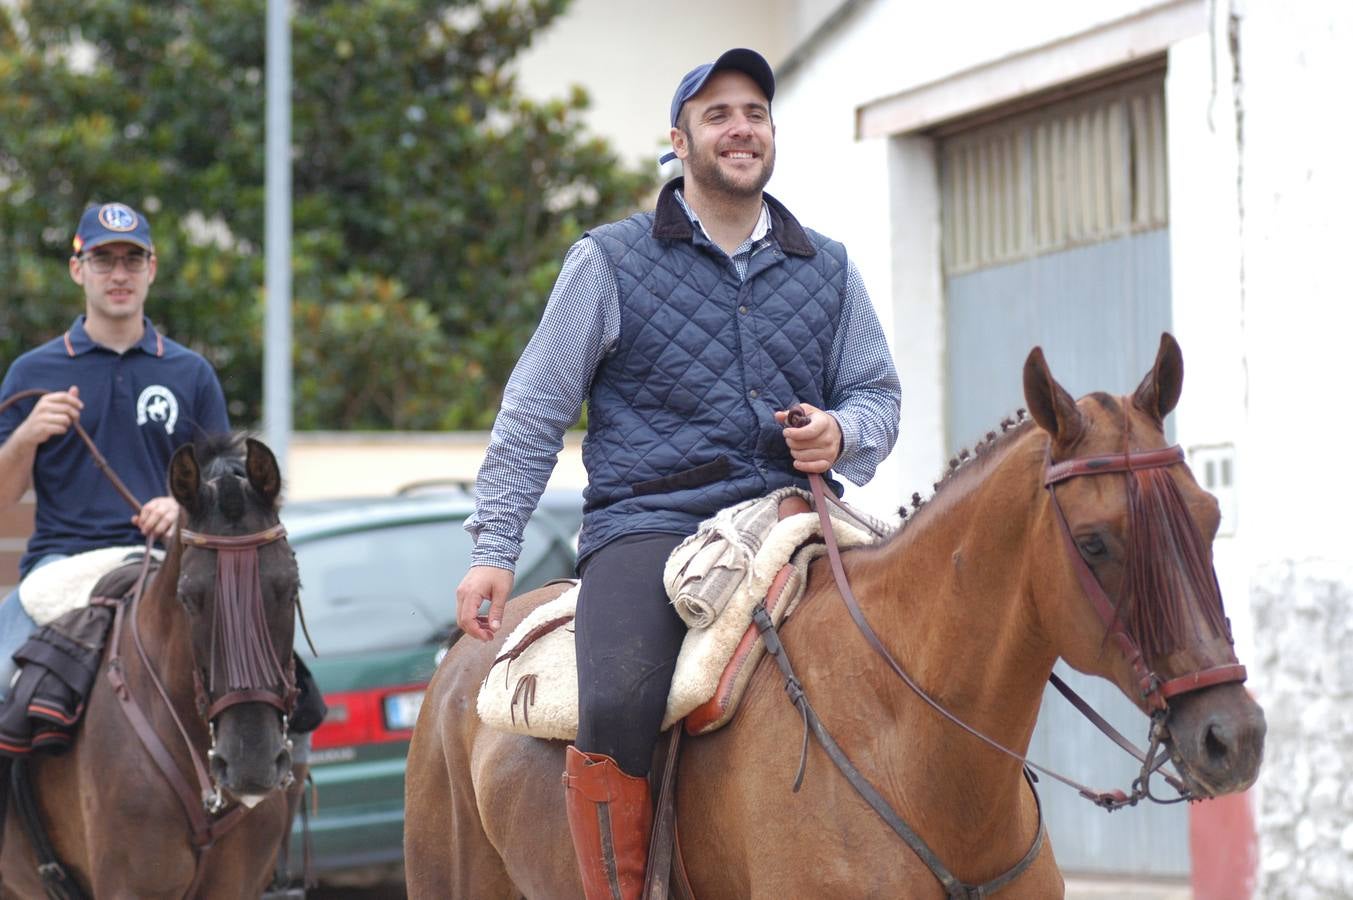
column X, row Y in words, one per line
column 446, row 852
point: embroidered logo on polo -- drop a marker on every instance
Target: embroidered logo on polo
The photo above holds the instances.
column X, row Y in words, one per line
column 157, row 404
column 117, row 217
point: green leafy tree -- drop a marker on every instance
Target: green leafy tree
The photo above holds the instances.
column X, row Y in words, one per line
column 432, row 202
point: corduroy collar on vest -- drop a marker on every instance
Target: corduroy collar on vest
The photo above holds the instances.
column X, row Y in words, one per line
column 670, row 222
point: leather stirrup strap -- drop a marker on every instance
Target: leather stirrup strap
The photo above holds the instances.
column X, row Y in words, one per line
column 664, row 824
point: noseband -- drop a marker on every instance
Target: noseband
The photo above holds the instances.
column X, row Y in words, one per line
column 252, row 671
column 1155, row 692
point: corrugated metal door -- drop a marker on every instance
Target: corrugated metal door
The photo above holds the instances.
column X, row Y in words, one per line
column 1056, row 234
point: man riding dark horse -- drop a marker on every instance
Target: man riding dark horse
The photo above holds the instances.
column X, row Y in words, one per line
column 137, row 395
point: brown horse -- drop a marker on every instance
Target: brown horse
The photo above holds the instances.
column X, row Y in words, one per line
column 977, row 597
column 214, row 624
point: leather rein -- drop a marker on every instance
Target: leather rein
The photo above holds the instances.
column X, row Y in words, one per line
column 1155, row 691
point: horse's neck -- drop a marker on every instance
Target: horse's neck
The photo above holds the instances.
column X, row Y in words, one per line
column 948, row 599
column 162, row 626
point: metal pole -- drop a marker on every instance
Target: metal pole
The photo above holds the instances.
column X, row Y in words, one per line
column 277, row 236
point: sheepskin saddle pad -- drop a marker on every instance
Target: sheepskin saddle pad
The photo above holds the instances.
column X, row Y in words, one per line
column 756, row 551
column 59, row 587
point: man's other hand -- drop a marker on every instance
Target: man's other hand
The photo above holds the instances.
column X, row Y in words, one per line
column 479, row 584
column 814, row 446
column 157, row 517
column 52, row 415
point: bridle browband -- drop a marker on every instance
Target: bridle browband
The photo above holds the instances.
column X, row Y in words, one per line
column 1155, row 692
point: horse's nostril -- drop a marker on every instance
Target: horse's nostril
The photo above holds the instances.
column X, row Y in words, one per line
column 219, row 769
column 283, row 763
column 1216, row 743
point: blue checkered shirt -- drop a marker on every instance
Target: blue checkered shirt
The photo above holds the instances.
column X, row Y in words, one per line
column 544, row 396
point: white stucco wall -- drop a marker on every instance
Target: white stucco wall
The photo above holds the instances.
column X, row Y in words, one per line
column 1296, row 63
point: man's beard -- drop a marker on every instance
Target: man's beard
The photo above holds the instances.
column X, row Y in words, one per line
column 710, row 176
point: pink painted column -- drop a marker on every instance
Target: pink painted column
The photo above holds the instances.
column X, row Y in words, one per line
column 1224, row 848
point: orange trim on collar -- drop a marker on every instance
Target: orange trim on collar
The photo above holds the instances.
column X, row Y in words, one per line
column 159, row 344
column 70, row 348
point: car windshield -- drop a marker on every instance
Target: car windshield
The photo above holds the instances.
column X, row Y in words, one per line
column 387, row 579
column 394, row 585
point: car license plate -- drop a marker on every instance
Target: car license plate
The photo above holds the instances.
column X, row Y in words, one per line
column 401, row 710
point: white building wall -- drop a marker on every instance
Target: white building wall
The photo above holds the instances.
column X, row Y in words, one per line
column 1296, row 64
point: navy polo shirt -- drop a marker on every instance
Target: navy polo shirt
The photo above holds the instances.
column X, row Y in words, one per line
column 140, row 406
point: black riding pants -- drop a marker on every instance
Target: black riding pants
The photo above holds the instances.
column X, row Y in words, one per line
column 627, row 637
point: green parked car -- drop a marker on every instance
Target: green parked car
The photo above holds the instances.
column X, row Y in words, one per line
column 378, row 581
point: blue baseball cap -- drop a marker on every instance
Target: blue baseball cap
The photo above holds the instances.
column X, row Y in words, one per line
column 108, row 223
column 739, row 59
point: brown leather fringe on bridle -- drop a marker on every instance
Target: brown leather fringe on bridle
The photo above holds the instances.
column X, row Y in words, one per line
column 1171, row 594
column 250, row 661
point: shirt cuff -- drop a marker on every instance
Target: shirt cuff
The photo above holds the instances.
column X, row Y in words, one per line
column 494, row 550
column 850, row 436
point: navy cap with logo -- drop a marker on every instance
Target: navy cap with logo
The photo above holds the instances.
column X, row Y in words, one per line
column 739, row 59
column 107, row 223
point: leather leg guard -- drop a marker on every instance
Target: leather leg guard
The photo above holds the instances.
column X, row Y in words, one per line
column 610, row 816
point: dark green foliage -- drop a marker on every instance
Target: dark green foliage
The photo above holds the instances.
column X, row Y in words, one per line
column 432, row 203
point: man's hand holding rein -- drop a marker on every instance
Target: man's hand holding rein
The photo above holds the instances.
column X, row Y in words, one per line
column 51, row 416
column 815, row 446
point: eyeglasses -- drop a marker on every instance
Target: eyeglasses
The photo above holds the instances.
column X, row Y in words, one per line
column 103, row 263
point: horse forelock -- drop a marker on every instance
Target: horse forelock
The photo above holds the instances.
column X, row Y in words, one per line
column 225, row 476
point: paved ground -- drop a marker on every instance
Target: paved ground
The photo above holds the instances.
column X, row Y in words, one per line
column 1118, row 889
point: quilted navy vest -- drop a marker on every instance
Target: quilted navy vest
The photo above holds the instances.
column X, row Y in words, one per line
column 680, row 417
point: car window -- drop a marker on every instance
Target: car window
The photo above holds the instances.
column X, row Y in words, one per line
column 381, row 587
column 394, row 586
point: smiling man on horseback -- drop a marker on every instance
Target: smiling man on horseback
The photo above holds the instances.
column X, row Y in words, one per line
column 687, row 331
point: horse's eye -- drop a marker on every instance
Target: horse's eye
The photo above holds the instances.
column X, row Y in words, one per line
column 1092, row 547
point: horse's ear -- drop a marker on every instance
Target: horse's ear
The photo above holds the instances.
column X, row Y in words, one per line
column 185, row 477
column 1051, row 406
column 1159, row 391
column 261, row 465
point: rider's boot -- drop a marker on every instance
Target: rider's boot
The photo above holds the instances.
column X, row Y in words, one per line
column 610, row 815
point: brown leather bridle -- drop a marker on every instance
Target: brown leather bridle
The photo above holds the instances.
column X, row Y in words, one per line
column 253, row 673
column 1155, row 692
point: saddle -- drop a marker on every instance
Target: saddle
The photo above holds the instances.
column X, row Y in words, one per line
column 57, row 668
column 720, row 576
